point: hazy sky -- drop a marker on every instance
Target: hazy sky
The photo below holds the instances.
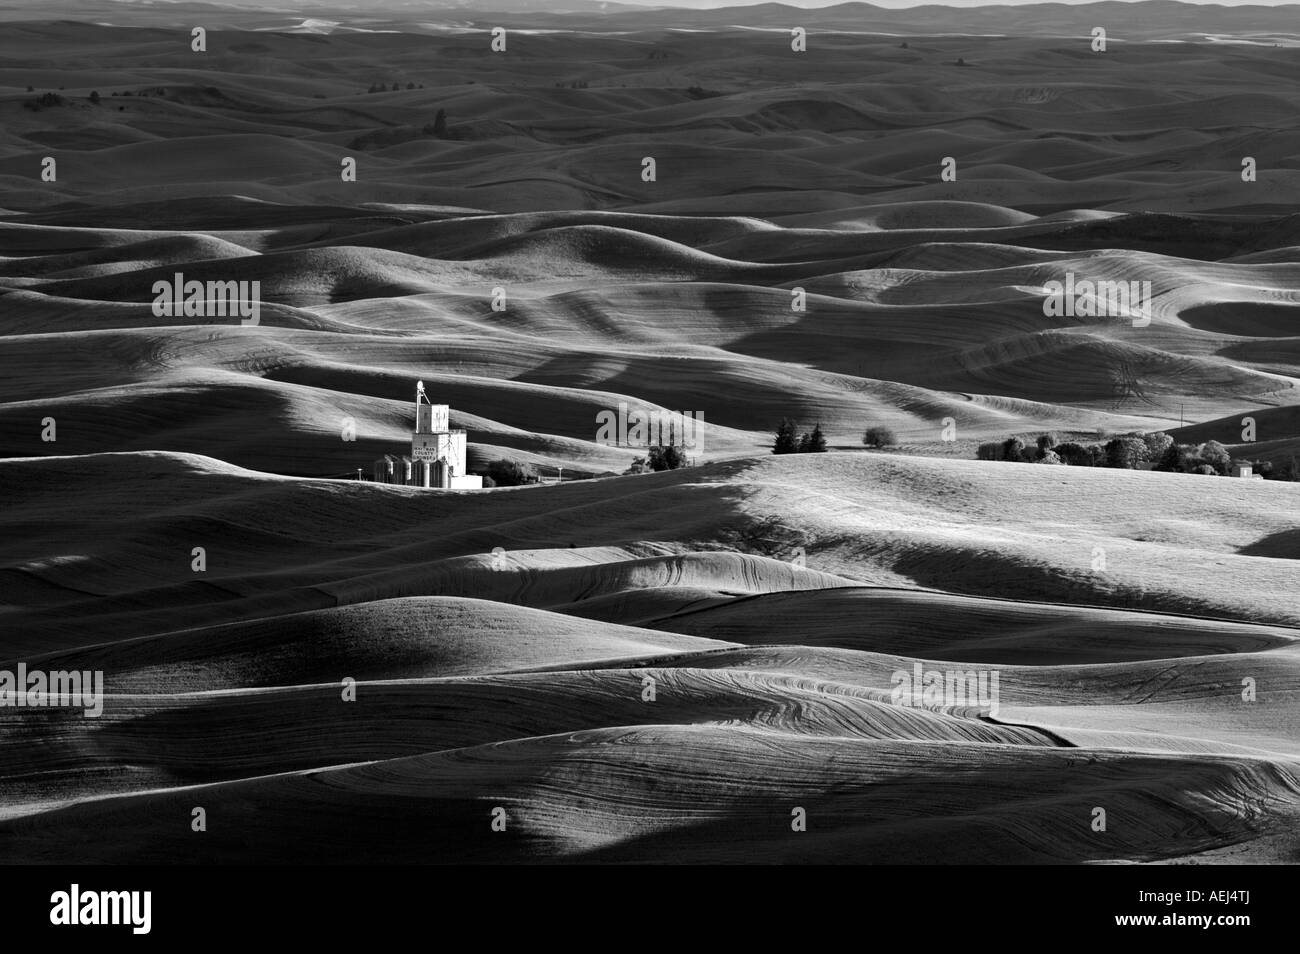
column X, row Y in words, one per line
column 898, row 4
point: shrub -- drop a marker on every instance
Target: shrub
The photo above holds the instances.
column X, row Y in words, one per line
column 1076, row 455
column 1049, row 457
column 509, row 473
column 992, row 450
column 1013, row 448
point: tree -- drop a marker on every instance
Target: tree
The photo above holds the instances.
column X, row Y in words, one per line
column 1158, row 443
column 410, row 86
column 1047, row 441
column 94, row 96
column 817, row 441
column 396, row 87
column 661, row 457
column 31, row 89
column 1189, row 459
column 1125, row 452
column 801, row 446
column 785, row 438
column 1076, row 455
column 1013, row 448
column 440, row 124
column 1216, row 456
column 1172, row 459
column 991, row 450
column 879, row 436
column 1049, row 457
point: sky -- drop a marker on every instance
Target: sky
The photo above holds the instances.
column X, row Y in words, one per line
column 901, row 4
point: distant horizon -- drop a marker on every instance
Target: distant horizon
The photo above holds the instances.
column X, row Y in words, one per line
column 908, row 4
column 297, row 6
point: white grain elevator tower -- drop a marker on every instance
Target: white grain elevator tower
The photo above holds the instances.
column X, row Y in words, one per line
column 437, row 451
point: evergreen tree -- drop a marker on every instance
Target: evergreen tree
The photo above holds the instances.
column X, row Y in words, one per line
column 785, row 438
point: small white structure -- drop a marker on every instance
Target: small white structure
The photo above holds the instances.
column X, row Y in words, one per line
column 438, row 453
column 1247, row 471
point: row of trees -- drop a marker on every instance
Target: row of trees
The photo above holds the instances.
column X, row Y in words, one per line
column 510, row 473
column 50, row 100
column 788, row 441
column 381, row 88
column 394, row 135
column 1132, row 451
